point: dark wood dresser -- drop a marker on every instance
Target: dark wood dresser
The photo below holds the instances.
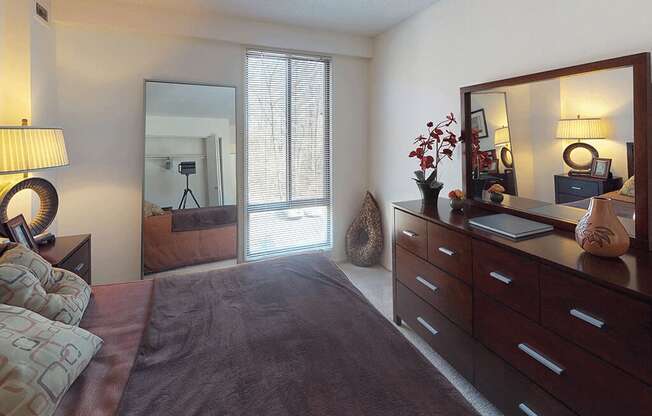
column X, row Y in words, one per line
column 72, row 253
column 538, row 326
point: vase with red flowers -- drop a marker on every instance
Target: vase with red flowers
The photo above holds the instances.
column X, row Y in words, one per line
column 431, row 149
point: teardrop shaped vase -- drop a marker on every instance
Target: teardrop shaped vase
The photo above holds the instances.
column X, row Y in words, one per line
column 599, row 231
column 364, row 238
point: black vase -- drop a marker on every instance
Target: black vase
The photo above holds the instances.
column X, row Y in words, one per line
column 429, row 194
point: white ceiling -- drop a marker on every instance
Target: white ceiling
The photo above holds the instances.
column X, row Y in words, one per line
column 362, row 17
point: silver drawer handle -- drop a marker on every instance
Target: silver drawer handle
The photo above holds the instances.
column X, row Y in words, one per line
column 577, row 188
column 446, row 251
column 501, row 277
column 541, row 359
column 427, row 283
column 409, row 233
column 79, row 267
column 529, row 412
column 587, row 318
column 426, row 325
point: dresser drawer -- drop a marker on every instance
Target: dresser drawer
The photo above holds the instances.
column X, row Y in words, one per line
column 508, row 277
column 572, row 186
column 450, row 251
column 453, row 344
column 79, row 262
column 450, row 296
column 584, row 382
column 411, row 233
column 510, row 391
column 611, row 325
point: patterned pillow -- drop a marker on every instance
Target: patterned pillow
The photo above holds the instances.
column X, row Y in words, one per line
column 628, row 188
column 19, row 254
column 39, row 360
column 65, row 300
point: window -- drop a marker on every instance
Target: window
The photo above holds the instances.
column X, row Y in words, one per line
column 287, row 154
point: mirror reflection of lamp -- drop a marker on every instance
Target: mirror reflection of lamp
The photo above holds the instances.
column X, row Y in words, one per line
column 502, row 139
column 580, row 129
column 24, row 149
column 501, row 136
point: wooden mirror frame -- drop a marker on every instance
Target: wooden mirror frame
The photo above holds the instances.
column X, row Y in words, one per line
column 640, row 64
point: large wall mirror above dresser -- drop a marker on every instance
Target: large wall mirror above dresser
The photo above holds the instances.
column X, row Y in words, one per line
column 556, row 139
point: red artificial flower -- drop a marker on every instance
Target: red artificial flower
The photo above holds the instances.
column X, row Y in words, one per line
column 439, row 142
column 427, row 162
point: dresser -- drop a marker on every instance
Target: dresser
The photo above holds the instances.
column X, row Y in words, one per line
column 574, row 188
column 72, row 253
column 538, row 326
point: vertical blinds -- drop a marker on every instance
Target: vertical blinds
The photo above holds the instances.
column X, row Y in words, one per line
column 287, row 153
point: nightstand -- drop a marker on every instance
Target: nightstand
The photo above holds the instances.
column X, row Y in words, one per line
column 71, row 253
column 574, row 188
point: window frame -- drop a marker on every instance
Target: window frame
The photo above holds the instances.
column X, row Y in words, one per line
column 327, row 200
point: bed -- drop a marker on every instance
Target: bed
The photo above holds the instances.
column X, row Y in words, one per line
column 289, row 336
column 187, row 237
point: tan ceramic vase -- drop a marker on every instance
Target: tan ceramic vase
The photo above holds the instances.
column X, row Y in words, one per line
column 599, row 232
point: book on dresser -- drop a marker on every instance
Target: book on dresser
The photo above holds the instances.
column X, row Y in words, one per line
column 538, row 326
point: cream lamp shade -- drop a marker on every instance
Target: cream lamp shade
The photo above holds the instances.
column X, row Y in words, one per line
column 580, row 128
column 501, row 136
column 24, row 149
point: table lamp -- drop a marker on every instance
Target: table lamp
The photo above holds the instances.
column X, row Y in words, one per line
column 501, row 136
column 580, row 129
column 24, row 149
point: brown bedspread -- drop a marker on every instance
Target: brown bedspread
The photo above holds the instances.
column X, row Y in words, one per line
column 193, row 219
column 289, row 336
column 118, row 314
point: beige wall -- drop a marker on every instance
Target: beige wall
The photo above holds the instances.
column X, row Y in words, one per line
column 28, row 80
column 419, row 66
column 100, row 75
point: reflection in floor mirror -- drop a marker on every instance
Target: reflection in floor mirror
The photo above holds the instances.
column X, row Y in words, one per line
column 190, row 202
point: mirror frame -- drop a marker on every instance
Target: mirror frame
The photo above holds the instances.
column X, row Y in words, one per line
column 640, row 64
column 236, row 90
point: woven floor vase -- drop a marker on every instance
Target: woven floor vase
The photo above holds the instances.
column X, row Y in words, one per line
column 599, row 231
column 364, row 238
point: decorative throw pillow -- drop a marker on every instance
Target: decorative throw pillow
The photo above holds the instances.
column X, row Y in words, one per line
column 628, row 188
column 151, row 209
column 39, row 360
column 19, row 254
column 64, row 299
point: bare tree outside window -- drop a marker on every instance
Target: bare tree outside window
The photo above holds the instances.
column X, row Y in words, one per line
column 287, row 153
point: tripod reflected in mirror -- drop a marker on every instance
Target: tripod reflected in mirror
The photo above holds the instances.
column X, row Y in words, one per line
column 187, row 168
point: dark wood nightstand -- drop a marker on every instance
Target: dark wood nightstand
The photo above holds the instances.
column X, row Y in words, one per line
column 71, row 253
column 574, row 188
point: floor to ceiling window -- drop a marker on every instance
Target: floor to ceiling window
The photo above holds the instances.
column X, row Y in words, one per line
column 287, row 155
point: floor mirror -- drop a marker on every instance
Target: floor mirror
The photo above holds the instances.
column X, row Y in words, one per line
column 189, row 185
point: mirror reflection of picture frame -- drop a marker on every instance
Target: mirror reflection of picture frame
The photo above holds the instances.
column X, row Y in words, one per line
column 600, row 168
column 479, row 123
column 19, row 232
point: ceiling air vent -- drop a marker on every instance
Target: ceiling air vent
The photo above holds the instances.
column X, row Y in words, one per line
column 41, row 12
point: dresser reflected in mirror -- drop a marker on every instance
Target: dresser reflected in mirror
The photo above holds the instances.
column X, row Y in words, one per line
column 555, row 143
